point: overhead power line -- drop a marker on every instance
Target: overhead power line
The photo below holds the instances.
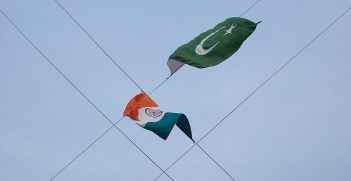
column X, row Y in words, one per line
column 259, row 87
column 81, row 93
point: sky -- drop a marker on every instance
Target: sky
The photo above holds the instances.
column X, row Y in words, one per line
column 296, row 127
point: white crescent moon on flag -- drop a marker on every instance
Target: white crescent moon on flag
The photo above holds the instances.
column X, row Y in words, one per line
column 199, row 48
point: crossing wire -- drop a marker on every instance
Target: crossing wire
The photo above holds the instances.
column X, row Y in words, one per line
column 249, row 8
column 81, row 93
column 93, row 104
column 113, row 124
column 102, row 135
column 99, row 46
column 158, row 86
column 259, row 87
column 221, row 167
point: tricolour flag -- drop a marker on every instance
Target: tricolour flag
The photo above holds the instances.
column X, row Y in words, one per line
column 213, row 46
column 146, row 113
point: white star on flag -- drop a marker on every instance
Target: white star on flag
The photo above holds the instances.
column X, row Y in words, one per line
column 229, row 31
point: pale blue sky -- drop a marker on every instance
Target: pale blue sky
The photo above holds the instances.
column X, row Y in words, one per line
column 297, row 127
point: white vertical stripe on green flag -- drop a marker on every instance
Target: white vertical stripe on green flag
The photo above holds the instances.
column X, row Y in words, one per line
column 213, row 46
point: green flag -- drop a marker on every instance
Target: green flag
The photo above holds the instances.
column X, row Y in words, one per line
column 213, row 46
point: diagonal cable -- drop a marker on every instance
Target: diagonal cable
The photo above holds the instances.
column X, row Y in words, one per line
column 102, row 135
column 214, row 161
column 80, row 92
column 113, row 124
column 98, row 45
column 259, row 87
column 249, row 8
column 158, row 86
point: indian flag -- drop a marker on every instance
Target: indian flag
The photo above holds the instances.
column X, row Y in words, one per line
column 146, row 113
column 212, row 47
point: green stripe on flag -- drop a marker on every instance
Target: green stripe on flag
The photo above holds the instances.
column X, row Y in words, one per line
column 164, row 127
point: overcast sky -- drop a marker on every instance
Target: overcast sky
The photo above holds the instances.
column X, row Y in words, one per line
column 296, row 127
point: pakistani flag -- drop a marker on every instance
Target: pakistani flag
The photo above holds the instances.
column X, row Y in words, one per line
column 213, row 46
column 146, row 113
